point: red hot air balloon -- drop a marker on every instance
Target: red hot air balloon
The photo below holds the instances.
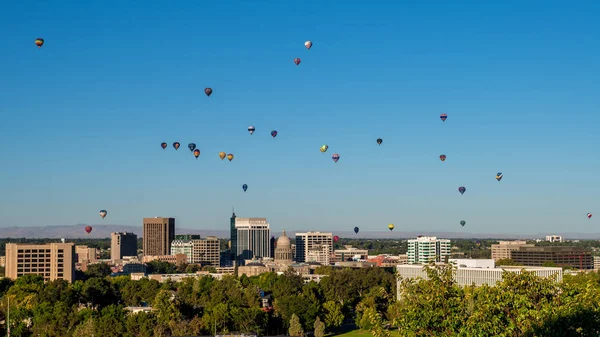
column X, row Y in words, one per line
column 589, row 215
column 208, row 91
column 297, row 61
column 443, row 157
column 88, row 229
column 196, row 153
column 163, row 145
column 336, row 238
column 443, row 117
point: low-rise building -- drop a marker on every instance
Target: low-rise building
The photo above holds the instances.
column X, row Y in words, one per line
column 350, row 253
column 562, row 256
column 502, row 249
column 177, row 259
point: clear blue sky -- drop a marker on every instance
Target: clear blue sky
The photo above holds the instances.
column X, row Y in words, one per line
column 83, row 118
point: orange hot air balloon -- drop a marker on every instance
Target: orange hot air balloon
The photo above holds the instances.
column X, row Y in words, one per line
column 39, row 42
column 230, row 157
column 176, row 145
column 222, row 155
column 196, row 153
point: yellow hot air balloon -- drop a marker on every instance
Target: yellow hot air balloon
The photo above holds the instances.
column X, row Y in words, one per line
column 324, row 148
column 230, row 157
column 391, row 226
column 222, row 155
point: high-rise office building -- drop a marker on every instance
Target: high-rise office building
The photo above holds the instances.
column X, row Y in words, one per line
column 252, row 239
column 203, row 251
column 425, row 249
column 232, row 237
column 158, row 235
column 122, row 244
column 52, row 261
column 314, row 246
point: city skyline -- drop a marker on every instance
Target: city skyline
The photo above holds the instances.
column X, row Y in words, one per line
column 86, row 113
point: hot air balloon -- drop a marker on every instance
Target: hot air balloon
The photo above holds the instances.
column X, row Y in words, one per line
column 192, row 146
column 391, row 227
column 103, row 213
column 336, row 238
column 230, row 157
column 208, row 91
column 335, row 157
column 274, row 133
column 589, row 215
column 499, row 176
column 244, row 187
column 443, row 157
column 443, row 117
column 324, row 148
column 176, row 145
column 88, row 229
column 379, row 141
column 297, row 60
column 251, row 129
column 462, row 190
column 463, row 223
column 222, row 155
column 308, row 44
column 39, row 42
column 163, row 145
column 196, row 153
column 356, row 229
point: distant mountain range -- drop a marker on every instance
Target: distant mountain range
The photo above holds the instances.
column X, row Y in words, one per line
column 103, row 231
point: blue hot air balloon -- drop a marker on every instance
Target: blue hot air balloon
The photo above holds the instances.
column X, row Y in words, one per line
column 244, row 187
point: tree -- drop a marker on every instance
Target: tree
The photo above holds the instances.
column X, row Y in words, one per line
column 295, row 327
column 549, row 264
column 98, row 270
column 333, row 314
column 319, row 328
column 85, row 329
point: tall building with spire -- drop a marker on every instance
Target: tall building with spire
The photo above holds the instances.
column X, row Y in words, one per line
column 232, row 236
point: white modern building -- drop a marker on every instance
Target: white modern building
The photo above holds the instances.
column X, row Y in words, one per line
column 350, row 253
column 203, row 251
column 314, row 247
column 425, row 249
column 554, row 238
column 253, row 239
column 467, row 276
column 473, row 263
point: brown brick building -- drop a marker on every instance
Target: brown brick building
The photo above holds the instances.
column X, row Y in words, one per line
column 573, row 257
column 158, row 235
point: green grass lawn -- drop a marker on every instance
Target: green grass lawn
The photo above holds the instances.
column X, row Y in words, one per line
column 361, row 333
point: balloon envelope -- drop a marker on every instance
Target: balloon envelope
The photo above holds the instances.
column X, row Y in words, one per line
column 335, row 157
column 88, row 229
column 274, row 133
column 443, row 117
column 196, row 153
column 251, row 129
column 244, row 187
column 208, row 91
column 589, row 215
column 443, row 157
column 462, row 189
column 379, row 141
column 222, row 155
column 103, row 213
column 176, row 145
column 308, row 44
column 39, row 42
column 336, row 238
column 356, row 229
column 230, row 157
column 297, row 60
column 391, row 226
column 324, row 148
column 499, row 176
column 192, row 146
column 163, row 145
column 463, row 223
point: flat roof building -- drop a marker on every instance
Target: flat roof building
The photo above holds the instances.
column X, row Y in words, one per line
column 122, row 244
column 158, row 235
column 574, row 257
column 502, row 249
column 52, row 261
column 314, row 246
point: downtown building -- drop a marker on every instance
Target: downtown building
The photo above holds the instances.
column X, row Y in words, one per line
column 158, row 235
column 122, row 244
column 426, row 249
column 199, row 251
column 52, row 261
column 314, row 247
column 251, row 239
